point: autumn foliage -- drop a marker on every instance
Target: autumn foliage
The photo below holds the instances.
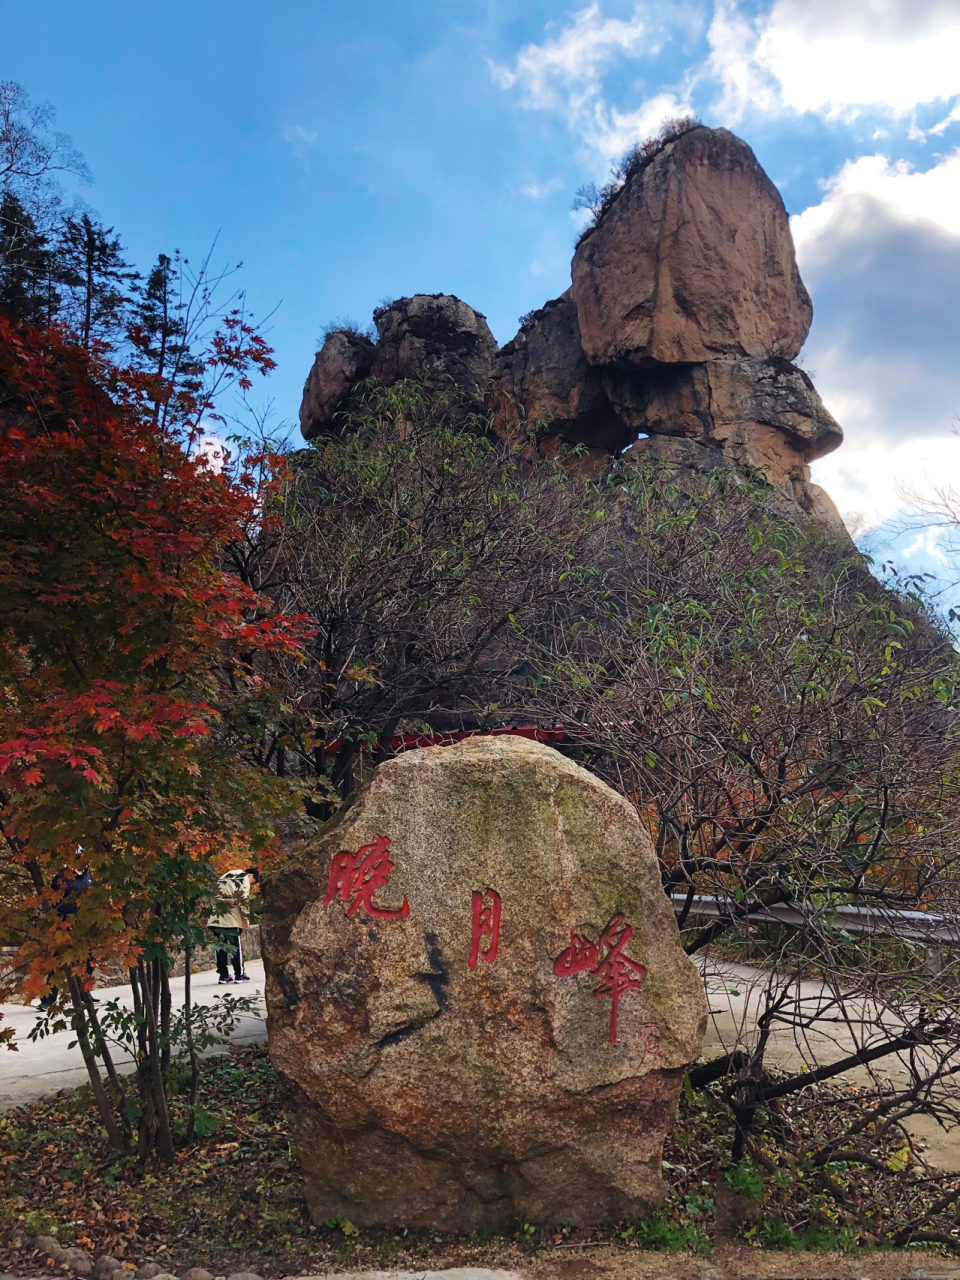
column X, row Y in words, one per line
column 134, row 670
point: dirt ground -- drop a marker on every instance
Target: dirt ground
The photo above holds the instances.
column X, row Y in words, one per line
column 738, row 1262
column 732, row 1262
column 234, row 1202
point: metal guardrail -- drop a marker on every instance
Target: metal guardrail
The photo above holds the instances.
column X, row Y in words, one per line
column 935, row 931
column 920, row 926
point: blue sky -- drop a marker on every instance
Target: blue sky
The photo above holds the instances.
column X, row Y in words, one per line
column 347, row 153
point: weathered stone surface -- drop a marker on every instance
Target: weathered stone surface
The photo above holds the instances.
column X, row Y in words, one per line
column 79, row 1262
column 693, row 261
column 762, row 413
column 433, row 1093
column 435, row 337
column 105, row 1266
column 49, row 1246
column 149, row 1270
column 774, row 393
column 197, row 1273
column 820, row 509
column 542, row 375
column 343, row 360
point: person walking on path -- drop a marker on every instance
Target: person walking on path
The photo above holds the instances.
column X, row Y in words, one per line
column 71, row 884
column 227, row 924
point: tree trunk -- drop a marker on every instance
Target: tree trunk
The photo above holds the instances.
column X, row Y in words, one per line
column 103, row 1050
column 166, row 1005
column 164, row 1138
column 191, row 1047
column 90, row 1062
column 147, row 1126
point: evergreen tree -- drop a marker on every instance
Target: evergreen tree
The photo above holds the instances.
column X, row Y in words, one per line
column 27, row 290
column 90, row 263
column 158, row 330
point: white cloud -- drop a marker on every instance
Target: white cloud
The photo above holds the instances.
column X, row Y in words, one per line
column 539, row 190
column 833, row 58
column 927, row 544
column 822, row 56
column 881, row 257
column 565, row 74
column 301, row 140
column 614, row 131
column 952, row 118
column 931, row 195
column 745, row 83
column 571, row 62
column 871, row 483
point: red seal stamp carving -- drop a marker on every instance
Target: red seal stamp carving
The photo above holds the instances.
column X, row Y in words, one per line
column 650, row 1043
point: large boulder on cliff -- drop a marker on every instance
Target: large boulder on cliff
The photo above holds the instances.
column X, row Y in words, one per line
column 438, row 338
column 543, row 377
column 434, row 338
column 692, row 261
column 344, row 359
column 478, row 998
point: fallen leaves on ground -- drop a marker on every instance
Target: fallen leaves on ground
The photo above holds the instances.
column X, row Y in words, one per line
column 234, row 1198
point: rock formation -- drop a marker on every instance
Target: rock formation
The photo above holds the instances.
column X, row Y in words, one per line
column 675, row 338
column 434, row 337
column 543, row 376
column 344, row 360
column 477, row 995
column 693, row 261
column 437, row 338
column 761, row 412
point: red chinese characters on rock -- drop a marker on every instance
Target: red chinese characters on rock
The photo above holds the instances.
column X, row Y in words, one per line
column 356, row 877
column 618, row 974
column 649, row 1043
column 486, row 923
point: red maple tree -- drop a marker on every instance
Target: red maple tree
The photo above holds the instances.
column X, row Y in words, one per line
column 135, row 672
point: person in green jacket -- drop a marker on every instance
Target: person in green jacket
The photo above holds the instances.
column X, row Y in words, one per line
column 228, row 923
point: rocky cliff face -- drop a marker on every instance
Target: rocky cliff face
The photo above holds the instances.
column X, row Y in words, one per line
column 432, row 337
column 675, row 339
column 693, row 261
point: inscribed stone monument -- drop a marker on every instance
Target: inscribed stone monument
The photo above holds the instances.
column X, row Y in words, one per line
column 477, row 996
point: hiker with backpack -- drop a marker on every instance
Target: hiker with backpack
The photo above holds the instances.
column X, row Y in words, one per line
column 228, row 923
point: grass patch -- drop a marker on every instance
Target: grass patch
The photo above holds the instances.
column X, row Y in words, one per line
column 661, row 1234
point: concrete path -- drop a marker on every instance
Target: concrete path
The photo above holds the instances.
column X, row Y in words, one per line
column 41, row 1067
column 735, row 997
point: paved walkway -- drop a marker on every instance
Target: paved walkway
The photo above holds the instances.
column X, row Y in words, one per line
column 41, row 1067
column 735, row 995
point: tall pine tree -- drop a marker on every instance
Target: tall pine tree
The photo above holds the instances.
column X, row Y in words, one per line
column 158, row 332
column 91, row 267
column 27, row 266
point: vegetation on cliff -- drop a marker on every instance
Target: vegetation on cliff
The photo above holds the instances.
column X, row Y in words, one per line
column 189, row 650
